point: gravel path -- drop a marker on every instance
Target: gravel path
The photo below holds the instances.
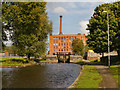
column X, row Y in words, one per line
column 108, row 80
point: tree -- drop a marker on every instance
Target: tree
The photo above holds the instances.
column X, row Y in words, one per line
column 97, row 38
column 12, row 50
column 116, row 9
column 30, row 25
column 3, row 38
column 78, row 47
column 87, row 48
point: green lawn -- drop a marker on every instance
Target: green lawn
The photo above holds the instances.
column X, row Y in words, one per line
column 90, row 78
column 48, row 61
column 14, row 61
column 115, row 70
column 8, row 58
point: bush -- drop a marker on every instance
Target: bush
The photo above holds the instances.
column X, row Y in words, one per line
column 114, row 60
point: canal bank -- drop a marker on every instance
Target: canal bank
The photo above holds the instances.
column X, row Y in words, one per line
column 75, row 82
column 15, row 62
column 89, row 77
column 18, row 66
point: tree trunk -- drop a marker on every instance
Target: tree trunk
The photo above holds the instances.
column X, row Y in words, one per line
column 102, row 57
column 118, row 51
column 28, row 56
column 102, row 54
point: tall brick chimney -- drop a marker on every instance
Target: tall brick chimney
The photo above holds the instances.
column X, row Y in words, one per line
column 60, row 25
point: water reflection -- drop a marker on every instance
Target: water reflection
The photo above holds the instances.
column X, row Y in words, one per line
column 44, row 75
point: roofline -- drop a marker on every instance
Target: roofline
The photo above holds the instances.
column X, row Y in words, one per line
column 67, row 34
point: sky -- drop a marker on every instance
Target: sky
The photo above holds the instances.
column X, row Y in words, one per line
column 76, row 16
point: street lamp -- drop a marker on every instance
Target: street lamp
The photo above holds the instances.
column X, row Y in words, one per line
column 108, row 40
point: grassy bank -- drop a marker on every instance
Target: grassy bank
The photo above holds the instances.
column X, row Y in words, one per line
column 90, row 78
column 115, row 70
column 50, row 61
column 18, row 61
column 14, row 61
column 43, row 60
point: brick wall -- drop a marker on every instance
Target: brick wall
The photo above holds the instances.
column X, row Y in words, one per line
column 63, row 43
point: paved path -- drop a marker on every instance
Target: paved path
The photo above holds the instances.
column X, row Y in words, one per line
column 108, row 80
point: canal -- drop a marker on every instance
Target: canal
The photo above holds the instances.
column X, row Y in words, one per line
column 44, row 75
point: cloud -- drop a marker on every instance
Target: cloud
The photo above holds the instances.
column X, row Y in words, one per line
column 83, row 26
column 8, row 43
column 60, row 10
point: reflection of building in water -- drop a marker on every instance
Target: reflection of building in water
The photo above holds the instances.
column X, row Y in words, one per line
column 63, row 42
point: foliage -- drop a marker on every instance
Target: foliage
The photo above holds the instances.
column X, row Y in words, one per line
column 98, row 37
column 3, row 38
column 88, row 48
column 11, row 49
column 78, row 47
column 114, row 60
column 30, row 25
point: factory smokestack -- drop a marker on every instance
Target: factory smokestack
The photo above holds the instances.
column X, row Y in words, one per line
column 60, row 25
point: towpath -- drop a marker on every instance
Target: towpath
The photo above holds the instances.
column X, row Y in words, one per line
column 108, row 80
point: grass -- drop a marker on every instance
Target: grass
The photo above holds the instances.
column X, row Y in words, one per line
column 9, row 58
column 115, row 67
column 43, row 60
column 115, row 70
column 14, row 61
column 90, row 78
column 48, row 61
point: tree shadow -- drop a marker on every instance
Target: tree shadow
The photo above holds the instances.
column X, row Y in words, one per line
column 38, row 60
column 20, row 60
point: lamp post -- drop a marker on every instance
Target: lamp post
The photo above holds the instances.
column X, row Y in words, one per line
column 108, row 40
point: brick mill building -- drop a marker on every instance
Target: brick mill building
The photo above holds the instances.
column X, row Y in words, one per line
column 62, row 43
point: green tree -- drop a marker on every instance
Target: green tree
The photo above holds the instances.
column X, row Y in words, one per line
column 87, row 48
column 98, row 37
column 30, row 25
column 116, row 41
column 11, row 49
column 78, row 47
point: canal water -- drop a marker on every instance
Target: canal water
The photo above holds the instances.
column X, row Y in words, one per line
column 44, row 75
